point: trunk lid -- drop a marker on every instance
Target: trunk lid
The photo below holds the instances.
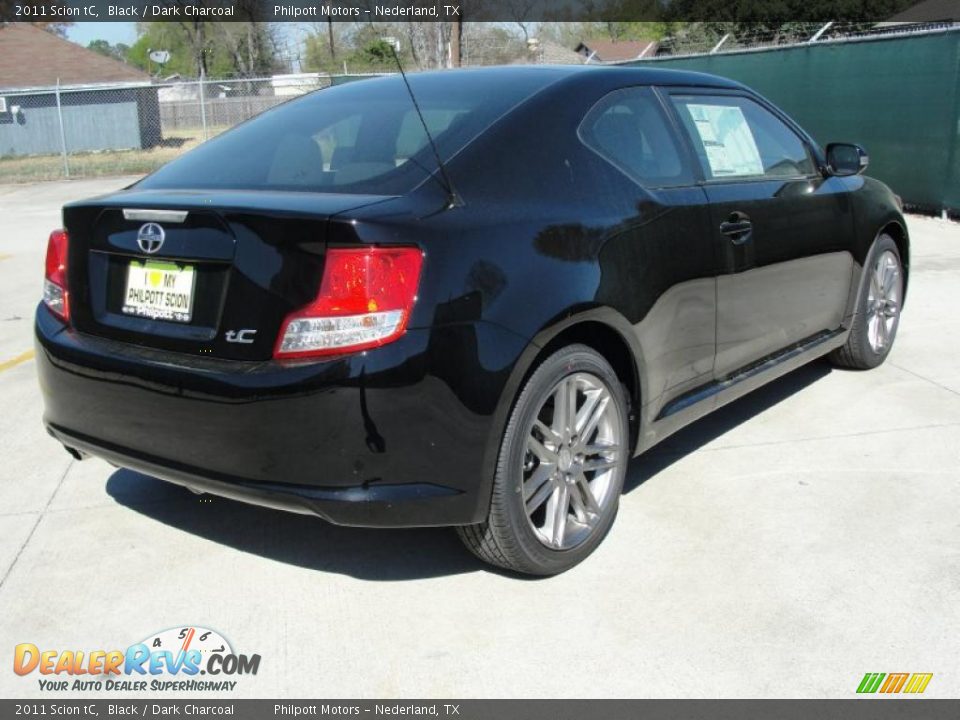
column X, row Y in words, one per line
column 206, row 273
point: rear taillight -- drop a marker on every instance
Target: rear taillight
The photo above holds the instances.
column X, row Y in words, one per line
column 365, row 300
column 55, row 294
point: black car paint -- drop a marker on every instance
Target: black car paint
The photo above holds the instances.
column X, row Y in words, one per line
column 551, row 243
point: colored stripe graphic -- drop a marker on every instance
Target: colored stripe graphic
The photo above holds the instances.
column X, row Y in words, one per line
column 918, row 683
column 870, row 682
column 914, row 683
column 894, row 683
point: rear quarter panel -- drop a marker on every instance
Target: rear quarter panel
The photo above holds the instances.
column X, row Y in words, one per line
column 550, row 235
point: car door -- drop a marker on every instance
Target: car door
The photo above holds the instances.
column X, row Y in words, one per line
column 657, row 266
column 782, row 230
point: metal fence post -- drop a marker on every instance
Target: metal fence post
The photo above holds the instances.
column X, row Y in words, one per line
column 722, row 41
column 203, row 105
column 63, row 135
column 820, row 32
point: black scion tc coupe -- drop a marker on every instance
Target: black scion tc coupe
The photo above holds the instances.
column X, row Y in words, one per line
column 332, row 311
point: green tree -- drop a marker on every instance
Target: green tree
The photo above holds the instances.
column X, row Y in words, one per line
column 236, row 49
column 326, row 47
column 117, row 52
column 377, row 53
column 569, row 34
column 362, row 47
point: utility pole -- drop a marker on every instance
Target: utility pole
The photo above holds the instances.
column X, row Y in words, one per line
column 456, row 43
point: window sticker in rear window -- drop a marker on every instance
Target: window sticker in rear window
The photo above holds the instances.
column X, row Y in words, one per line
column 727, row 140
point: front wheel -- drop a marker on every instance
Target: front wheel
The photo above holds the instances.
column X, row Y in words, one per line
column 878, row 310
column 560, row 470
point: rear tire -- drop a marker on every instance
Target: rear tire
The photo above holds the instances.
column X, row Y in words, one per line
column 560, row 469
column 878, row 309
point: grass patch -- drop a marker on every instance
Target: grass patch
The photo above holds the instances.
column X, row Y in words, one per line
column 32, row 168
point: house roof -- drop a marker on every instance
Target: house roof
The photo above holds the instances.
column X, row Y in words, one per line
column 31, row 57
column 553, row 53
column 604, row 50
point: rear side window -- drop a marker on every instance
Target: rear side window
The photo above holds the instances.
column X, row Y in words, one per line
column 735, row 137
column 363, row 137
column 629, row 129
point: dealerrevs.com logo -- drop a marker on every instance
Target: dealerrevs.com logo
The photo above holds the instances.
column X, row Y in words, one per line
column 178, row 659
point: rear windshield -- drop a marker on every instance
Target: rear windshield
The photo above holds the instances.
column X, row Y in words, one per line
column 363, row 137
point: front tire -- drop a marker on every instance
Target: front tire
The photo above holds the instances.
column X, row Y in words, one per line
column 878, row 309
column 560, row 469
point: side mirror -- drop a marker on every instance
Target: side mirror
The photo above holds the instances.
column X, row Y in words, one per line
column 846, row 159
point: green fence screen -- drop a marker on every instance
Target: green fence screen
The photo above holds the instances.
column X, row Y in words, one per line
column 898, row 96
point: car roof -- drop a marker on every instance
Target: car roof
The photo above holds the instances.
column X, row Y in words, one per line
column 633, row 75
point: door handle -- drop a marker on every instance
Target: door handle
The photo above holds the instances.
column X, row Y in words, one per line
column 737, row 227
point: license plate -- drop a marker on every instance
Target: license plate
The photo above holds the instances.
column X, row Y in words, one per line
column 159, row 290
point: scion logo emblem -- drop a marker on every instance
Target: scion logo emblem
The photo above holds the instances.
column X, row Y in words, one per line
column 150, row 238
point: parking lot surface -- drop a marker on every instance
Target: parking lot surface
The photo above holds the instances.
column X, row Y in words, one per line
column 782, row 547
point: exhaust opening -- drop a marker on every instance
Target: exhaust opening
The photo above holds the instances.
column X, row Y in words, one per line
column 77, row 454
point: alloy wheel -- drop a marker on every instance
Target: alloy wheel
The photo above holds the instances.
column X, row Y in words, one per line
column 572, row 454
column 884, row 299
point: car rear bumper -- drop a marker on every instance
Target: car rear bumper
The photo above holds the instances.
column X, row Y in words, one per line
column 379, row 439
column 377, row 505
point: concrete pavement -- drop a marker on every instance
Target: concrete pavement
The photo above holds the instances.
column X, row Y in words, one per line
column 782, row 547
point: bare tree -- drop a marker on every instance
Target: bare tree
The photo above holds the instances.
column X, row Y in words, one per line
column 251, row 46
column 415, row 36
column 196, row 32
column 519, row 12
column 428, row 43
column 488, row 43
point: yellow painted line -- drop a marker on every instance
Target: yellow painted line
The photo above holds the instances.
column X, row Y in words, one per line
column 4, row 256
column 13, row 362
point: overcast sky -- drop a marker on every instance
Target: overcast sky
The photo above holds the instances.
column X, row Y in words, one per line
column 113, row 32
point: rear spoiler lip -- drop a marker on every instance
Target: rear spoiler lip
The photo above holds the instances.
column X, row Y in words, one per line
column 268, row 202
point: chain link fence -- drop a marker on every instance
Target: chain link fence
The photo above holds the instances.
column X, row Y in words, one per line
column 50, row 133
column 721, row 38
